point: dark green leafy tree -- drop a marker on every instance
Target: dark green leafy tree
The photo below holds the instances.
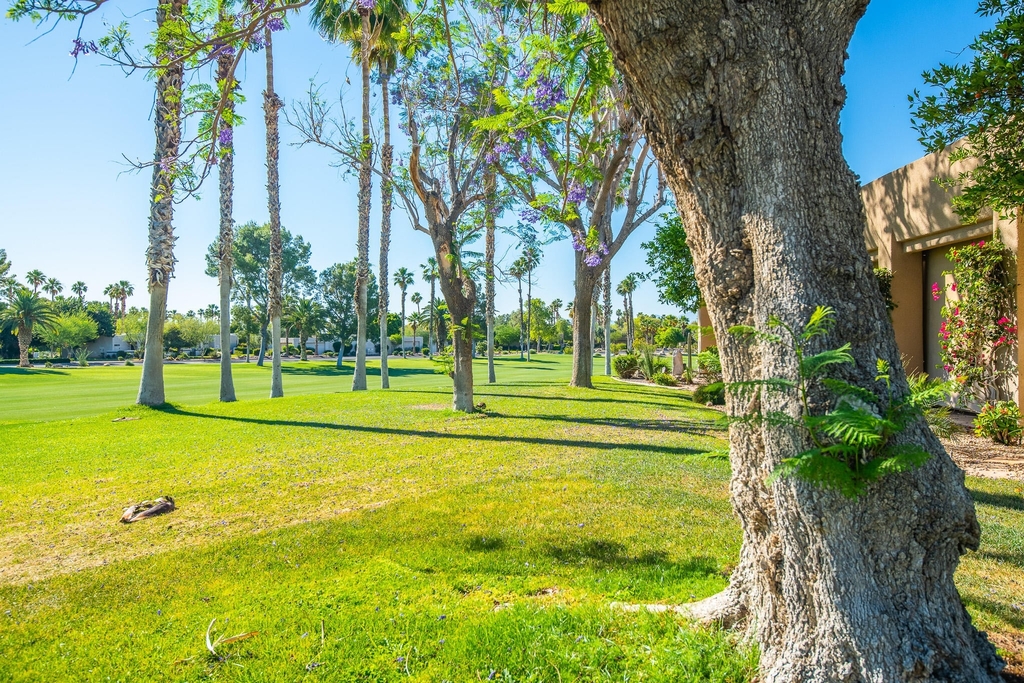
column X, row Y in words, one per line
column 671, row 264
column 251, row 270
column 336, row 288
column 976, row 106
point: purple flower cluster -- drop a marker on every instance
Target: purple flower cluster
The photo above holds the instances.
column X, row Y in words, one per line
column 225, row 137
column 222, row 49
column 366, row 4
column 519, row 135
column 591, row 258
column 523, row 71
column 526, row 162
column 577, row 193
column 167, row 164
column 548, row 93
column 82, row 47
column 501, row 149
column 530, row 215
column 579, row 242
column 275, row 24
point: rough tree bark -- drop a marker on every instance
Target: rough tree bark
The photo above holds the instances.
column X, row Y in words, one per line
column 271, row 105
column 740, row 102
column 24, row 342
column 363, row 238
column 160, row 253
column 386, row 200
column 582, row 331
column 490, row 219
column 226, row 180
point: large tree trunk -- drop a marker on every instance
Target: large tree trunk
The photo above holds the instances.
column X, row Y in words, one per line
column 462, row 393
column 607, row 291
column 740, row 102
column 160, row 253
column 275, row 276
column 386, row 196
column 226, row 179
column 490, row 219
column 529, row 313
column 582, row 331
column 363, row 238
column 522, row 322
column 24, row 342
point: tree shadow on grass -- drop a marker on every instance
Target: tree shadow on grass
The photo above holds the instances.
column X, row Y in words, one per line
column 612, row 554
column 324, row 370
column 670, row 402
column 999, row 609
column 14, row 370
column 486, row 543
column 1002, row 500
column 428, row 434
column 692, row 427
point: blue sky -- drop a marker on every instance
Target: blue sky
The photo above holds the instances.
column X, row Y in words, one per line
column 70, row 207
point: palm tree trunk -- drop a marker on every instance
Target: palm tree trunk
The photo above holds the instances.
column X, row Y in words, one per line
column 386, row 194
column 608, row 320
column 302, row 346
column 402, row 333
column 226, row 178
column 363, row 238
column 24, row 342
column 271, row 105
column 490, row 219
column 522, row 321
column 529, row 311
column 160, row 253
column 430, row 330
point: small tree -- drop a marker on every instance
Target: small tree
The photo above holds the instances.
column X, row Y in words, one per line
column 71, row 332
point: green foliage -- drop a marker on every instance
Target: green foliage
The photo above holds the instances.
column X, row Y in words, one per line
column 626, row 365
column 978, row 336
column 444, row 363
column 1000, row 422
column 650, row 365
column 83, row 358
column 852, row 443
column 70, row 332
column 671, row 264
column 709, row 362
column 665, row 379
column 26, row 310
column 884, row 278
column 975, row 105
column 710, row 394
column 132, row 326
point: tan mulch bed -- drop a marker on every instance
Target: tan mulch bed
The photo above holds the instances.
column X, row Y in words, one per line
column 983, row 457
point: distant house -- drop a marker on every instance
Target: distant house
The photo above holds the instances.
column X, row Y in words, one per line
column 108, row 347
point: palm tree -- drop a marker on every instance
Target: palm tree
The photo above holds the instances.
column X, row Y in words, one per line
column 518, row 271
column 556, row 310
column 108, row 292
column 531, row 259
column 25, row 315
column 416, row 321
column 307, row 316
column 417, row 299
column 271, row 105
column 403, row 278
column 225, row 243
column 429, row 274
column 125, row 289
column 626, row 289
column 53, row 287
column 80, row 288
column 160, row 252
column 35, row 278
column 368, row 29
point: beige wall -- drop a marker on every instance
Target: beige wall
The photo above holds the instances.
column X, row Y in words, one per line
column 910, row 227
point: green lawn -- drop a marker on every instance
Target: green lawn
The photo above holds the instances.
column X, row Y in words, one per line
column 380, row 536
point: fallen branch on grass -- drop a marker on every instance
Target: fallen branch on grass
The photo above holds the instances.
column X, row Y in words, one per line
column 146, row 509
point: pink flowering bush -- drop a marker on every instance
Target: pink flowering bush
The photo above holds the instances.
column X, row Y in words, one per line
column 978, row 336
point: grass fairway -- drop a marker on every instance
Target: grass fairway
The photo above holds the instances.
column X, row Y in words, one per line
column 379, row 536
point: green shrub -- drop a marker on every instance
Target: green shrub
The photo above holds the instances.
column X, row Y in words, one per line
column 48, row 364
column 425, row 351
column 1000, row 422
column 128, row 362
column 710, row 394
column 481, row 348
column 649, row 365
column 625, row 366
column 83, row 358
column 709, row 362
column 665, row 379
column 618, row 348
